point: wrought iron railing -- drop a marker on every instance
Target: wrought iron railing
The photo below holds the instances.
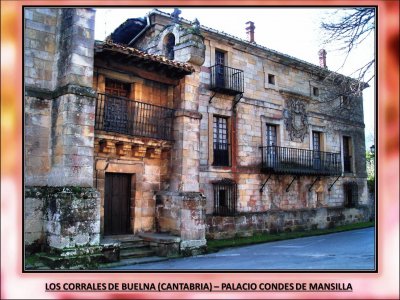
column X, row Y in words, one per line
column 283, row 160
column 122, row 115
column 226, row 79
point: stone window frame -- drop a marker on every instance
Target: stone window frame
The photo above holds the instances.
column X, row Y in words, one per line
column 103, row 166
column 279, row 130
column 211, row 139
column 267, row 73
column 322, row 131
column 315, row 85
column 220, row 47
column 222, row 113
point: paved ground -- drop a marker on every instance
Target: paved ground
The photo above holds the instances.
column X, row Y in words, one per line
column 350, row 250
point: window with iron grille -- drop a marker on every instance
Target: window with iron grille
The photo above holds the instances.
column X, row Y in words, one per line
column 220, row 141
column 350, row 194
column 225, row 197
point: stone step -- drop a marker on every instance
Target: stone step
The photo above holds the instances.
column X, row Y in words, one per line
column 122, row 238
column 136, row 244
column 132, row 261
column 135, row 252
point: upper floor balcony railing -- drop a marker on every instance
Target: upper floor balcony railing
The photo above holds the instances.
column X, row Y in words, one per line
column 125, row 116
column 283, row 160
column 226, row 80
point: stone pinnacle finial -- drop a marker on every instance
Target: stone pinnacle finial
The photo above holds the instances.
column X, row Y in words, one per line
column 175, row 15
column 196, row 26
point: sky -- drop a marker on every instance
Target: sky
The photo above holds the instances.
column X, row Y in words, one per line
column 292, row 31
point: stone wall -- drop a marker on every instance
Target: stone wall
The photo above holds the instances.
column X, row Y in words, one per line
column 182, row 214
column 64, row 217
column 264, row 103
column 275, row 221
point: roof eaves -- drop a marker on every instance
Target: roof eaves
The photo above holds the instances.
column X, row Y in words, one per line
column 108, row 45
column 311, row 67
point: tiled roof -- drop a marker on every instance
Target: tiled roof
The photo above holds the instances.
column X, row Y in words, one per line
column 129, row 51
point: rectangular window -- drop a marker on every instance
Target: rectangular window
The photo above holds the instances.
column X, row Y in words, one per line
column 271, row 138
column 219, row 58
column 271, row 79
column 225, row 197
column 117, row 88
column 315, row 91
column 220, row 69
column 271, row 143
column 347, row 159
column 344, row 102
column 316, row 139
column 220, row 141
column 350, row 194
column 116, row 117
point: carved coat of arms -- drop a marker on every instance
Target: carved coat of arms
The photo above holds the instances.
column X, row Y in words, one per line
column 296, row 120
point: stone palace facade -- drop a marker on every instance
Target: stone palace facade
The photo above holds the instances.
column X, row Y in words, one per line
column 176, row 133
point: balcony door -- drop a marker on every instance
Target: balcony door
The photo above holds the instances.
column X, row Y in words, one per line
column 346, row 154
column 115, row 108
column 271, row 142
column 220, row 71
column 316, row 136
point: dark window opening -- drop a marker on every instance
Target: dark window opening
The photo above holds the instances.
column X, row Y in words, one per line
column 169, row 46
column 350, row 194
column 316, row 136
column 344, row 101
column 225, row 197
column 271, row 79
column 347, row 160
column 271, row 143
column 220, row 70
column 315, row 91
column 220, row 142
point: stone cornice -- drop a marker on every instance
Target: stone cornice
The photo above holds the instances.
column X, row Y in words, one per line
column 188, row 113
column 40, row 93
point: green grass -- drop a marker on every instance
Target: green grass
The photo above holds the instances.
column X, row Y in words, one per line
column 215, row 245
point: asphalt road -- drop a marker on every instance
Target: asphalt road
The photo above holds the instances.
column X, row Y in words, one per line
column 350, row 250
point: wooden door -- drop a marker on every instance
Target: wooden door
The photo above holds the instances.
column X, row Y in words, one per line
column 117, row 204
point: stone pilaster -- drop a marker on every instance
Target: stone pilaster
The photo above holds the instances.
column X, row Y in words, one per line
column 186, row 150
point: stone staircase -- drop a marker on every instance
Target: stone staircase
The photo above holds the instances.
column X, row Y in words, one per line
column 132, row 246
